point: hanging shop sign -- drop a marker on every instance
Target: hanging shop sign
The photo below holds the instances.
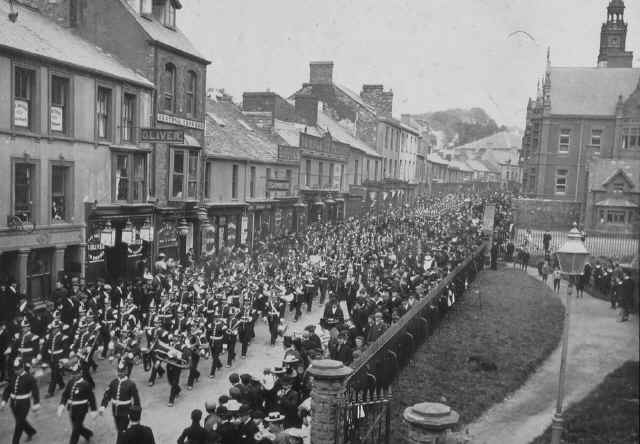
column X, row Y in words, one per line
column 56, row 118
column 167, row 235
column 278, row 184
column 173, row 136
column 179, row 121
column 95, row 249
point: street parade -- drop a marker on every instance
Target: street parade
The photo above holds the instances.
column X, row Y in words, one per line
column 188, row 321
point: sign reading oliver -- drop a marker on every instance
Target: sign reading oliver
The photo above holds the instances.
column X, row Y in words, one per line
column 161, row 135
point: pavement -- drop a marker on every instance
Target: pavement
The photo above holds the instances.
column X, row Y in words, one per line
column 598, row 344
column 166, row 422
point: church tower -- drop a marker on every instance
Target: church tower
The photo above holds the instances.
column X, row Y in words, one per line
column 613, row 38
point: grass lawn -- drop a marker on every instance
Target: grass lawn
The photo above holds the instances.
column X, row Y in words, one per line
column 519, row 325
column 609, row 414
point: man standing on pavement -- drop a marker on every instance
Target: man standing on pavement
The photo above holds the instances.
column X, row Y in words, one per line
column 78, row 398
column 21, row 388
column 195, row 433
column 123, row 395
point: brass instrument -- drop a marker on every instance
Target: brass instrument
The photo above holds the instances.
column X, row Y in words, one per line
column 169, row 355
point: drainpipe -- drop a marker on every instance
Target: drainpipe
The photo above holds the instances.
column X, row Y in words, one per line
column 581, row 147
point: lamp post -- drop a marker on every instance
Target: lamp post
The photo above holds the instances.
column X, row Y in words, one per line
column 572, row 256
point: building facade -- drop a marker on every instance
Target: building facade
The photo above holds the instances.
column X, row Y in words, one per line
column 68, row 116
column 581, row 120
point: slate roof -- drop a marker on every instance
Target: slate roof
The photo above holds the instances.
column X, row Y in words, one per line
column 341, row 134
column 590, row 91
column 435, row 158
column 157, row 32
column 602, row 170
column 476, row 165
column 400, row 124
column 501, row 140
column 290, row 131
column 36, row 35
column 307, row 90
column 458, row 165
column 229, row 134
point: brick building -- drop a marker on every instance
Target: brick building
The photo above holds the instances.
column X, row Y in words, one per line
column 582, row 120
column 68, row 113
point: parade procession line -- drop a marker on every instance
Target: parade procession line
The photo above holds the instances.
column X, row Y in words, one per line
column 598, row 345
column 166, row 422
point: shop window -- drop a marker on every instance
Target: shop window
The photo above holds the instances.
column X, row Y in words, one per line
column 24, row 190
column 561, row 181
column 190, row 93
column 169, row 87
column 129, row 180
column 59, row 105
column 234, row 182
column 61, row 190
column 39, row 274
column 103, row 113
column 565, row 140
column 24, row 98
column 307, row 178
column 128, row 118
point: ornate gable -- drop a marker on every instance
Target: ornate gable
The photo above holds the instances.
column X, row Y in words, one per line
column 619, row 173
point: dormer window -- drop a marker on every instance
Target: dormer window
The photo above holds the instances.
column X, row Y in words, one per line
column 618, row 187
column 146, row 7
column 169, row 19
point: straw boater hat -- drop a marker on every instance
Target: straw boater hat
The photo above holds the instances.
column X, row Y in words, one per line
column 274, row 417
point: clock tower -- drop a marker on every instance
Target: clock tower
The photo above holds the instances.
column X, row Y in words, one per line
column 613, row 39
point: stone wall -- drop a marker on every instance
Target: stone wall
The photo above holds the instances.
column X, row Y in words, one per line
column 546, row 214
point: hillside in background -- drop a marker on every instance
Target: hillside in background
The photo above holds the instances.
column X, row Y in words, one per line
column 455, row 127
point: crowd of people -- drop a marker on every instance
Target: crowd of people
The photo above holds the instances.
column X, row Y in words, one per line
column 175, row 318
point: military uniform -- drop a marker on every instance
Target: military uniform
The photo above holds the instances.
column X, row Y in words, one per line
column 123, row 394
column 18, row 393
column 56, row 348
column 78, row 398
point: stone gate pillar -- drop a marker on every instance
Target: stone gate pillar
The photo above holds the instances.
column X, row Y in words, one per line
column 327, row 392
column 430, row 423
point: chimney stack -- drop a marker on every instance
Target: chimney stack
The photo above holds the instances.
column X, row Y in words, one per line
column 321, row 73
column 307, row 108
column 379, row 99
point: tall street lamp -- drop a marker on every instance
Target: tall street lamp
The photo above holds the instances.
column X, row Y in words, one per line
column 572, row 256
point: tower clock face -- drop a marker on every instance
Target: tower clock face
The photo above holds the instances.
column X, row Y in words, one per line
column 614, row 42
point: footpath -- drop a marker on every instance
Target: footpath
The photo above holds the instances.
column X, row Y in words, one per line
column 598, row 344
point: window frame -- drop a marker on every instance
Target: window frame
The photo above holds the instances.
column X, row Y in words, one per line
column 613, row 216
column 169, row 95
column 564, row 132
column 169, row 15
column 134, row 122
column 235, row 177
column 191, row 93
column 110, row 113
column 307, row 178
column 67, row 113
column 355, row 171
column 564, row 176
column 252, row 182
column 69, row 177
column 208, row 169
column 185, row 174
column 131, row 178
column 35, row 187
column 596, row 146
column 33, row 101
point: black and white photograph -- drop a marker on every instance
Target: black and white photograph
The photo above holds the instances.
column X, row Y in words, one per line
column 319, row 222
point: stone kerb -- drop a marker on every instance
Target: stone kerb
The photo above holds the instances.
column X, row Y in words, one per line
column 327, row 392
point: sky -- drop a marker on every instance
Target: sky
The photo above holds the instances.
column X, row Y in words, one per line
column 433, row 54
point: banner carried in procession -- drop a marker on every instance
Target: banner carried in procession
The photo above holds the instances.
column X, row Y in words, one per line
column 488, row 219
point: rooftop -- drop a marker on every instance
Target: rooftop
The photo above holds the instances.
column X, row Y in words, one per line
column 173, row 38
column 229, row 134
column 37, row 36
column 501, row 140
column 341, row 134
column 602, row 171
column 590, row 91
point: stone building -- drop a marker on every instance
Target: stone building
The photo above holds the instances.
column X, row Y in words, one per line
column 143, row 34
column 68, row 119
column 582, row 120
